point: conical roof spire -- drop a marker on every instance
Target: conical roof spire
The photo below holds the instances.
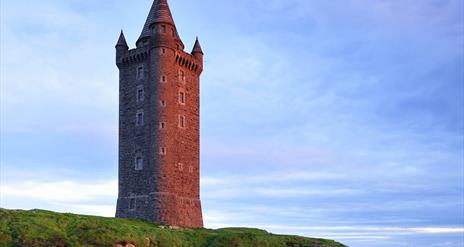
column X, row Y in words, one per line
column 197, row 47
column 159, row 13
column 122, row 40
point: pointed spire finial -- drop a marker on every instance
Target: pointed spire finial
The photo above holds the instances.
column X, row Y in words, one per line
column 122, row 40
column 197, row 47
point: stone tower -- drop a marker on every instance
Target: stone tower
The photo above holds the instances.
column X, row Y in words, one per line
column 159, row 124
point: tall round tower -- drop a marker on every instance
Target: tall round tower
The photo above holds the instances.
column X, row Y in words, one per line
column 159, row 125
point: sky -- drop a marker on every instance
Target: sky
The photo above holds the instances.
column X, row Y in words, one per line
column 340, row 119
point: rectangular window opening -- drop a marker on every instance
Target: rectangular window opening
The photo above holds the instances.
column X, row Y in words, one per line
column 182, row 97
column 140, row 95
column 140, row 119
column 139, row 163
column 182, row 121
column 132, row 204
column 140, row 73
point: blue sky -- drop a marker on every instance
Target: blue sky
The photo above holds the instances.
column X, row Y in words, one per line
column 336, row 119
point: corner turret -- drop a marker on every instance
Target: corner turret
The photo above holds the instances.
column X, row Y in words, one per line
column 121, row 47
column 197, row 52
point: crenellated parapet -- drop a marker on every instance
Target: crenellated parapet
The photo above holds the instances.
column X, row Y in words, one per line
column 134, row 56
column 189, row 62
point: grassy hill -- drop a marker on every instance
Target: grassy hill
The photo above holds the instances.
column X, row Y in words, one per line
column 44, row 228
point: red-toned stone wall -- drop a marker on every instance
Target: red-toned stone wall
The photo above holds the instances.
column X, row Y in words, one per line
column 180, row 166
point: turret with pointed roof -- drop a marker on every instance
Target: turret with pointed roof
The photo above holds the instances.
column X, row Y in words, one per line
column 121, row 47
column 122, row 40
column 160, row 26
column 197, row 47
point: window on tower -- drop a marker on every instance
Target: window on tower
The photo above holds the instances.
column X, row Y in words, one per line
column 182, row 121
column 163, row 103
column 162, row 125
column 140, row 94
column 163, row 28
column 140, row 118
column 138, row 162
column 181, row 166
column 162, row 151
column 182, row 97
column 140, row 73
column 163, row 79
column 181, row 75
column 132, row 204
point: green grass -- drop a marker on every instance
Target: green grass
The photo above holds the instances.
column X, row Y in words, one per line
column 45, row 228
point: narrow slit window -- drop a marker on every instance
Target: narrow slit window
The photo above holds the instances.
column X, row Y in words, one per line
column 164, row 79
column 139, row 163
column 162, row 151
column 140, row 94
column 140, row 72
column 182, row 97
column 181, row 121
column 163, row 27
column 163, row 103
column 132, row 204
column 140, row 118
column 181, row 166
column 182, row 76
column 162, row 125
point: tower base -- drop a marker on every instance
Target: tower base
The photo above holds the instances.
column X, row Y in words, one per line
column 162, row 208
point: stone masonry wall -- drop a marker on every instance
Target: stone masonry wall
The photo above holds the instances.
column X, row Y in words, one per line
column 167, row 189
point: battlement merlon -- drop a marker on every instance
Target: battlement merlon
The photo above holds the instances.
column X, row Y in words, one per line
column 191, row 61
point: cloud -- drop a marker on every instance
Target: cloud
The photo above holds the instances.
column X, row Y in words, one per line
column 61, row 191
column 76, row 196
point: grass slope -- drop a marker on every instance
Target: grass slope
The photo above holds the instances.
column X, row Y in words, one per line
column 44, row 228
